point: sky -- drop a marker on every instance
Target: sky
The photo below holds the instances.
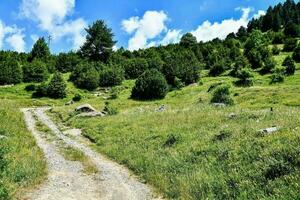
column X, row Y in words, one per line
column 136, row 24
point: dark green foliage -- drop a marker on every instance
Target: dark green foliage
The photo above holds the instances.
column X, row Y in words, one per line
column 245, row 77
column 77, row 97
column 268, row 66
column 278, row 38
column 35, row 72
column 99, row 42
column 85, row 76
column 135, row 67
column 40, row 51
column 275, row 50
column 178, row 84
column 292, row 30
column 30, row 87
column 278, row 76
column 296, row 54
column 289, row 65
column 41, row 91
column 110, row 110
column 155, row 62
column 57, row 87
column 218, row 68
column 66, row 62
column 241, row 62
column 171, row 140
column 188, row 40
column 10, row 72
column 242, row 33
column 222, row 95
column 4, row 193
column 150, row 85
column 290, row 44
column 111, row 76
column 183, row 65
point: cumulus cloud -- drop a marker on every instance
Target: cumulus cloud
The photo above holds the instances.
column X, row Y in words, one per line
column 259, row 14
column 172, row 36
column 13, row 36
column 51, row 17
column 151, row 25
column 208, row 31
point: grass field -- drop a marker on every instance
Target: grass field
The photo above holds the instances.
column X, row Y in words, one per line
column 192, row 150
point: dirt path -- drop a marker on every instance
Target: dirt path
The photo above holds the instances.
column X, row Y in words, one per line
column 66, row 181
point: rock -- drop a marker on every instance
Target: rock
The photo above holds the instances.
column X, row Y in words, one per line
column 73, row 132
column 161, row 108
column 220, row 105
column 69, row 103
column 193, row 85
column 86, row 108
column 6, row 86
column 93, row 114
column 232, row 115
column 98, row 94
column 267, row 131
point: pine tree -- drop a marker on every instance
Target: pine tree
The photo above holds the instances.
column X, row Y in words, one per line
column 57, row 87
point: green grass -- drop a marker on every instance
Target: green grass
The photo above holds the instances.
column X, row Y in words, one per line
column 21, row 162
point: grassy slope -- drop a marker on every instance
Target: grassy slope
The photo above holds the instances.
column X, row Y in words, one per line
column 195, row 151
column 21, row 162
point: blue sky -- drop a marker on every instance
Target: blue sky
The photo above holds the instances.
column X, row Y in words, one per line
column 135, row 23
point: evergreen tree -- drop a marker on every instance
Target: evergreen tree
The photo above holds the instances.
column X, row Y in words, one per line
column 10, row 72
column 188, row 40
column 57, row 87
column 289, row 65
column 40, row 50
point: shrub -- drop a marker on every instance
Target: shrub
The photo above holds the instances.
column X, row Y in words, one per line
column 35, row 72
column 150, row 85
column 290, row 44
column 245, row 77
column 255, row 59
column 85, row 76
column 10, row 72
column 292, row 30
column 278, row 38
column 222, row 95
column 57, row 87
column 289, row 65
column 41, row 91
column 268, row 66
column 111, row 76
column 218, row 68
column 178, row 84
column 77, row 97
column 275, row 50
column 278, row 76
column 110, row 110
column 241, row 62
column 66, row 62
column 135, row 67
column 296, row 54
column 30, row 87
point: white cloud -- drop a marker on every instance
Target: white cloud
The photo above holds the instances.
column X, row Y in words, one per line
column 16, row 41
column 51, row 17
column 149, row 27
column 13, row 36
column 259, row 14
column 172, row 36
column 208, row 31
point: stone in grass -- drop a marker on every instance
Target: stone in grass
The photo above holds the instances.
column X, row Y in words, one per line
column 73, row 132
column 220, row 105
column 69, row 103
column 93, row 114
column 161, row 108
column 268, row 131
column 86, row 108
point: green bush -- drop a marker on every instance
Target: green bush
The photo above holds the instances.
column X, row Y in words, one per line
column 269, row 66
column 41, row 91
column 150, row 85
column 135, row 67
column 178, row 84
column 57, row 87
column 85, row 76
column 10, row 72
column 240, row 63
column 110, row 110
column 278, row 76
column 296, row 54
column 290, row 44
column 278, row 38
column 222, row 95
column 77, row 97
column 30, row 87
column 245, row 77
column 111, row 76
column 275, row 50
column 218, row 68
column 35, row 72
column 289, row 65
column 66, row 62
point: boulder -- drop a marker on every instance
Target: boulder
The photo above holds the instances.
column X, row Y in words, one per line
column 93, row 114
column 86, row 108
column 267, row 131
column 69, row 103
column 232, row 115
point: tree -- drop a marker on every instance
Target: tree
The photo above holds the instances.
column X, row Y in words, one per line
column 188, row 40
column 85, row 76
column 40, row 50
column 245, row 77
column 135, row 67
column 292, row 30
column 289, row 65
column 290, row 44
column 66, row 62
column 10, row 72
column 275, row 50
column 218, row 68
column 99, row 42
column 222, row 95
column 57, row 87
column 268, row 66
column 150, row 85
column 296, row 54
column 111, row 76
column 35, row 72
column 241, row 62
column 278, row 76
